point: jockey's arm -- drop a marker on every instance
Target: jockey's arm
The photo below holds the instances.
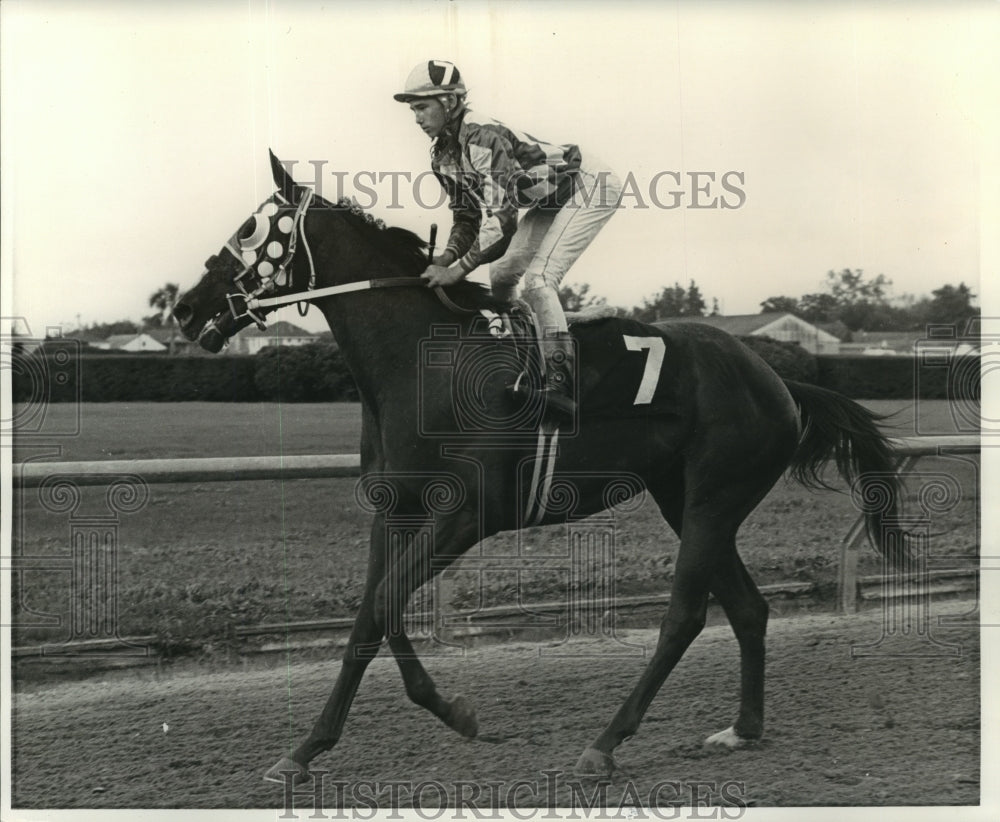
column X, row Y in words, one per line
column 438, row 275
column 482, row 226
column 466, row 218
column 496, row 169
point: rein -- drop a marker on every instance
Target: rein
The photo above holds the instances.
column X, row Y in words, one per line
column 332, row 291
column 254, row 299
column 255, row 303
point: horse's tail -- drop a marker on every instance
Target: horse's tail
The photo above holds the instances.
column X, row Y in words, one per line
column 835, row 427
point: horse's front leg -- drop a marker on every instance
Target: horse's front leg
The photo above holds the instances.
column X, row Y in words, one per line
column 417, row 567
column 457, row 713
column 362, row 647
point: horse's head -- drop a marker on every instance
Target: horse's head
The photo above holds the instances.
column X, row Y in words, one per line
column 257, row 261
column 258, row 269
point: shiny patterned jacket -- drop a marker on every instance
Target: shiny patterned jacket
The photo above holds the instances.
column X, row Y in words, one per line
column 490, row 171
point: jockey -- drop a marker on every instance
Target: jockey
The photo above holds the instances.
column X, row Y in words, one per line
column 490, row 172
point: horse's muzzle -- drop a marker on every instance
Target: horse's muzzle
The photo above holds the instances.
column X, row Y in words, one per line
column 211, row 338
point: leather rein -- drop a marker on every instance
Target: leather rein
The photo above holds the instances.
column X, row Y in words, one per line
column 255, row 298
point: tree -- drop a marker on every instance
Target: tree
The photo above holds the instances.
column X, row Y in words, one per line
column 785, row 305
column 850, row 298
column 163, row 300
column 859, row 304
column 101, row 331
column 868, row 316
column 850, row 287
column 672, row 301
column 819, row 308
column 578, row 297
column 950, row 305
column 694, row 303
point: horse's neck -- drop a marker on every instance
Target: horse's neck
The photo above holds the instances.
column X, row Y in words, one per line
column 379, row 333
column 379, row 330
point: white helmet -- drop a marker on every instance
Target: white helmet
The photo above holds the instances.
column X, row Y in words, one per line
column 430, row 79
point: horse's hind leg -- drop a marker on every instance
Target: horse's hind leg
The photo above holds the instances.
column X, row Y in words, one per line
column 683, row 622
column 747, row 611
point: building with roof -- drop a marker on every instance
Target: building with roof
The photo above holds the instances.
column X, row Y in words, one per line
column 910, row 343
column 251, row 340
column 131, row 343
column 174, row 342
column 778, row 325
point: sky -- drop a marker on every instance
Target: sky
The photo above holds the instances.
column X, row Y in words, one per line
column 850, row 135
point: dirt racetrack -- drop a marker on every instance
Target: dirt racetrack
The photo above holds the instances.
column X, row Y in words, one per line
column 878, row 730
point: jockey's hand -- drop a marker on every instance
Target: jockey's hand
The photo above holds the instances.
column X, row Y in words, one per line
column 437, row 275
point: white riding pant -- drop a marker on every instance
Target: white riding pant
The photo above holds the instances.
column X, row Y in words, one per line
column 548, row 241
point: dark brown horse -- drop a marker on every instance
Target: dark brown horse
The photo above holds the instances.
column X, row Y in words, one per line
column 706, row 432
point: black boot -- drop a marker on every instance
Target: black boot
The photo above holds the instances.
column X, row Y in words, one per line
column 560, row 361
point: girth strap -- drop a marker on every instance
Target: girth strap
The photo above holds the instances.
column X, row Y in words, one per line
column 541, row 477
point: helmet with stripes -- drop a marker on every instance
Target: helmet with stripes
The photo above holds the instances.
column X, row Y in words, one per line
column 431, row 78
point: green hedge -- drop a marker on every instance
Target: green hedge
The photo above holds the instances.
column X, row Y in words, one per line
column 133, row 378
column 318, row 373
column 875, row 378
column 62, row 371
column 790, row 361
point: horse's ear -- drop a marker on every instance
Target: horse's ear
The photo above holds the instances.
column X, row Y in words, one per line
column 282, row 179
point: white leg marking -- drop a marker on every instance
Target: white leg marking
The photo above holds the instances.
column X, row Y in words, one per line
column 727, row 738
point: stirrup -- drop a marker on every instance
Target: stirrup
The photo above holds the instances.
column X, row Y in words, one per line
column 554, row 402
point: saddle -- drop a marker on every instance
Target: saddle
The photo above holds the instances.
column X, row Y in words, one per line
column 624, row 368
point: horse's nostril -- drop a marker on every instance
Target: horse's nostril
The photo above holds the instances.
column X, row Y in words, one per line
column 182, row 313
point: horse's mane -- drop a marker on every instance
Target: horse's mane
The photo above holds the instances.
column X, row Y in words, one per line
column 403, row 246
column 408, row 249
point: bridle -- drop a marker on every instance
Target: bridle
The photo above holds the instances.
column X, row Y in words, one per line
column 266, row 255
column 267, row 262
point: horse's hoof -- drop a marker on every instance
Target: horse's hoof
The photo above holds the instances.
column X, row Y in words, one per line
column 729, row 739
column 593, row 762
column 462, row 717
column 279, row 772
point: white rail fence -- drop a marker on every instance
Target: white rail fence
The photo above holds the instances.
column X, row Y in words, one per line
column 921, row 580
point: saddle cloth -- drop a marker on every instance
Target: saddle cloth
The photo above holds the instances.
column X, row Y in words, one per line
column 624, row 368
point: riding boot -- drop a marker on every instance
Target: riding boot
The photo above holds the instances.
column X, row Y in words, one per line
column 560, row 362
column 556, row 345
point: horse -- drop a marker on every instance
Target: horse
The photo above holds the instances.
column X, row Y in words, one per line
column 715, row 429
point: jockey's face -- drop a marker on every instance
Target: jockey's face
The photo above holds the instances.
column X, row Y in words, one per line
column 430, row 115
